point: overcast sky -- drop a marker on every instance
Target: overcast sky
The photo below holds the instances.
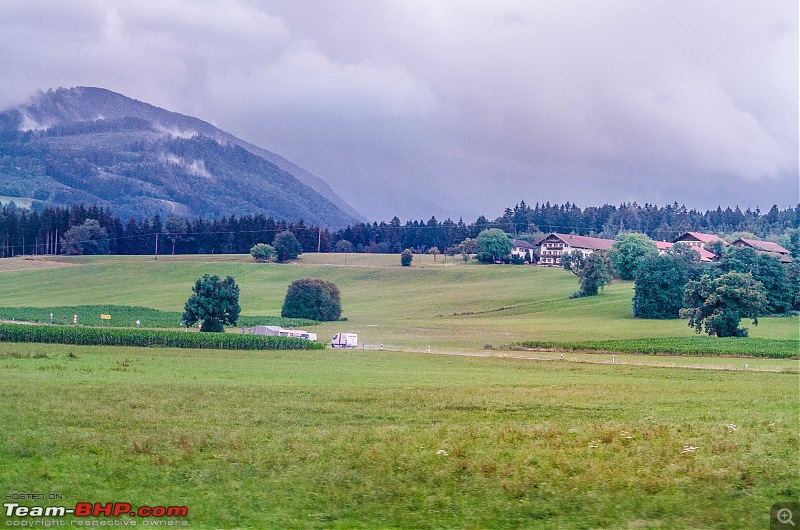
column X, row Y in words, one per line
column 454, row 107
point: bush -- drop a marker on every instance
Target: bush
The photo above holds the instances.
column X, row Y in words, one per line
column 343, row 246
column 262, row 252
column 405, row 257
column 312, row 298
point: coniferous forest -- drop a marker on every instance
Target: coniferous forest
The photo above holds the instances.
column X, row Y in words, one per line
column 25, row 231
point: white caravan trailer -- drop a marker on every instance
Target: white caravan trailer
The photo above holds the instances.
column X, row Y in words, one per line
column 299, row 333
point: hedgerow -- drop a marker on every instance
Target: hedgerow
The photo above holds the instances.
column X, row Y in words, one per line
column 695, row 346
column 149, row 337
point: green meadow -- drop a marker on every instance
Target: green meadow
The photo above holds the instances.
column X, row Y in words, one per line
column 487, row 438
column 447, row 305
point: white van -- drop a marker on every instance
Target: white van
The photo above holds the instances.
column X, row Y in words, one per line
column 345, row 340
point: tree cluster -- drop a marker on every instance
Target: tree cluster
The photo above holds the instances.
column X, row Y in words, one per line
column 715, row 296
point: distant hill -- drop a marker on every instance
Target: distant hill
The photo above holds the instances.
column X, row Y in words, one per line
column 95, row 146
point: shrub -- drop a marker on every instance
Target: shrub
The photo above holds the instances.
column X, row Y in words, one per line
column 343, row 246
column 312, row 298
column 262, row 252
column 405, row 257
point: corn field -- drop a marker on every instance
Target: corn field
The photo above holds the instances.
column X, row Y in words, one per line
column 148, row 337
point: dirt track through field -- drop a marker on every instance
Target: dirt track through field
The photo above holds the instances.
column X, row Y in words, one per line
column 610, row 358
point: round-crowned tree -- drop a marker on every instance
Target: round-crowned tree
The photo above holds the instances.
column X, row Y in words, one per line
column 493, row 245
column 287, row 246
column 312, row 298
column 214, row 303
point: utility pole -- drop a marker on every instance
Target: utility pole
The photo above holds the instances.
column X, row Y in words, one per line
column 319, row 239
column 156, row 245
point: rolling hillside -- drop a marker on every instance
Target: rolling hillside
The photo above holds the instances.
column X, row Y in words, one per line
column 95, row 146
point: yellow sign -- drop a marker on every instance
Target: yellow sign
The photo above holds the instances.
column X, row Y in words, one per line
column 105, row 317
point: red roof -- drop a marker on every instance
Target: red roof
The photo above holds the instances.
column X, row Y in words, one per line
column 705, row 238
column 592, row 243
column 705, row 255
column 766, row 246
column 663, row 245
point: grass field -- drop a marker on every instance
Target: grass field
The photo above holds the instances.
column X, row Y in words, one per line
column 397, row 440
column 390, row 439
column 445, row 305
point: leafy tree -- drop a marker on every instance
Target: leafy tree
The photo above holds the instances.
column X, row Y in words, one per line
column 596, row 274
column 573, row 262
column 343, row 246
column 629, row 251
column 405, row 257
column 593, row 271
column 434, row 251
column 175, row 229
column 287, row 246
column 262, row 252
column 772, row 275
column 738, row 259
column 767, row 270
column 694, row 267
column 716, row 247
column 658, row 289
column 88, row 238
column 790, row 240
column 214, row 303
column 493, row 245
column 312, row 298
column 468, row 246
column 719, row 304
column 793, row 281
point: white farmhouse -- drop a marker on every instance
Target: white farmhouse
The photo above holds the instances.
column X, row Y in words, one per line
column 556, row 245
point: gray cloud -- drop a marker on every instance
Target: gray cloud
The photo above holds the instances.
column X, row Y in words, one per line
column 451, row 107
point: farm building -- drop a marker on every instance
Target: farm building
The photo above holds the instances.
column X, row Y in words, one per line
column 765, row 247
column 705, row 255
column 523, row 249
column 270, row 331
column 698, row 239
column 555, row 245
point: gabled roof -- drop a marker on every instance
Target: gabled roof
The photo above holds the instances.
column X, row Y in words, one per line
column 698, row 236
column 766, row 246
column 521, row 243
column 592, row 243
column 705, row 255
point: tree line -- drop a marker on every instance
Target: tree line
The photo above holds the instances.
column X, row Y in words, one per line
column 47, row 231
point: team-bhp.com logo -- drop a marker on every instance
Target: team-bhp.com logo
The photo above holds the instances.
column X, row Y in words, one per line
column 88, row 509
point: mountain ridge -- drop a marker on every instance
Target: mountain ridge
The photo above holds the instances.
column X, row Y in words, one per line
column 87, row 137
